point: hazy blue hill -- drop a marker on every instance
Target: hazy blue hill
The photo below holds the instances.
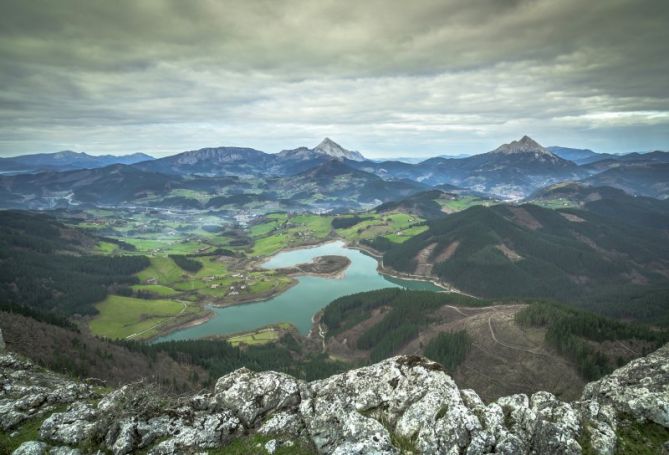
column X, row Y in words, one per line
column 216, row 161
column 609, row 161
column 422, row 204
column 333, row 183
column 512, row 170
column 578, row 156
column 388, row 169
column 109, row 185
column 344, row 185
column 657, row 156
column 518, row 167
column 298, row 160
column 66, row 160
column 244, row 161
column 328, row 173
column 645, row 179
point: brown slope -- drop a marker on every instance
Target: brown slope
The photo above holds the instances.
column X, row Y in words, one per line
column 85, row 356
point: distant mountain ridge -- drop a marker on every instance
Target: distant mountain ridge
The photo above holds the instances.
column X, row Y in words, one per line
column 343, row 179
column 512, row 170
column 212, row 161
column 242, row 161
column 578, row 156
column 66, row 160
column 638, row 178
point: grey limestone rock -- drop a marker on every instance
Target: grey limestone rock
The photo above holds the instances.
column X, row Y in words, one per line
column 31, row 448
column 72, row 426
column 405, row 403
column 640, row 388
column 252, row 395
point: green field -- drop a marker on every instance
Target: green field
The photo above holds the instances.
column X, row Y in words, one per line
column 319, row 226
column 273, row 221
column 464, row 202
column 213, row 281
column 164, row 245
column 267, row 246
column 406, row 234
column 261, row 336
column 163, row 269
column 106, row 247
column 396, row 226
column 279, row 231
column 256, row 338
column 120, row 317
column 155, row 289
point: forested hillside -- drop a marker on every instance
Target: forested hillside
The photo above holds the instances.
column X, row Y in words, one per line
column 526, row 251
column 48, row 267
column 409, row 311
column 79, row 354
column 218, row 357
column 571, row 332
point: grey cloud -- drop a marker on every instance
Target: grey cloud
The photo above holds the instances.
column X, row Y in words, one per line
column 424, row 76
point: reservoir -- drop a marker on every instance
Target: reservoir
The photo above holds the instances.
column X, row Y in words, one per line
column 298, row 304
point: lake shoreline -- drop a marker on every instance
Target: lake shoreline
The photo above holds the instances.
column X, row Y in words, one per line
column 381, row 268
column 380, row 278
column 258, row 297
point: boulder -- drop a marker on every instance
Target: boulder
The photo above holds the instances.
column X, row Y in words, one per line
column 639, row 389
column 31, row 448
column 71, row 427
column 252, row 395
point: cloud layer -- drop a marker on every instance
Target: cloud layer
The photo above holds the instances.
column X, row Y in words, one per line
column 387, row 78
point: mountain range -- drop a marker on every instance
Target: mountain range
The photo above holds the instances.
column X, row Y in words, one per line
column 249, row 162
column 326, row 176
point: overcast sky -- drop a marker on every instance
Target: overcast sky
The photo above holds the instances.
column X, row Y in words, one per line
column 387, row 78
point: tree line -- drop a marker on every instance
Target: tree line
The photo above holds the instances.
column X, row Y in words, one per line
column 186, row 263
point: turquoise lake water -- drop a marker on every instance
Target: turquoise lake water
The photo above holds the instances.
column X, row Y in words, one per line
column 298, row 304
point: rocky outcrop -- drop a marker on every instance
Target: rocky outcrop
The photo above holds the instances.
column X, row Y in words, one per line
column 640, row 388
column 405, row 404
column 27, row 391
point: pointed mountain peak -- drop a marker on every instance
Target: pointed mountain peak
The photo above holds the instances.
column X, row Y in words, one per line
column 327, row 142
column 529, row 141
column 331, row 148
column 525, row 145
